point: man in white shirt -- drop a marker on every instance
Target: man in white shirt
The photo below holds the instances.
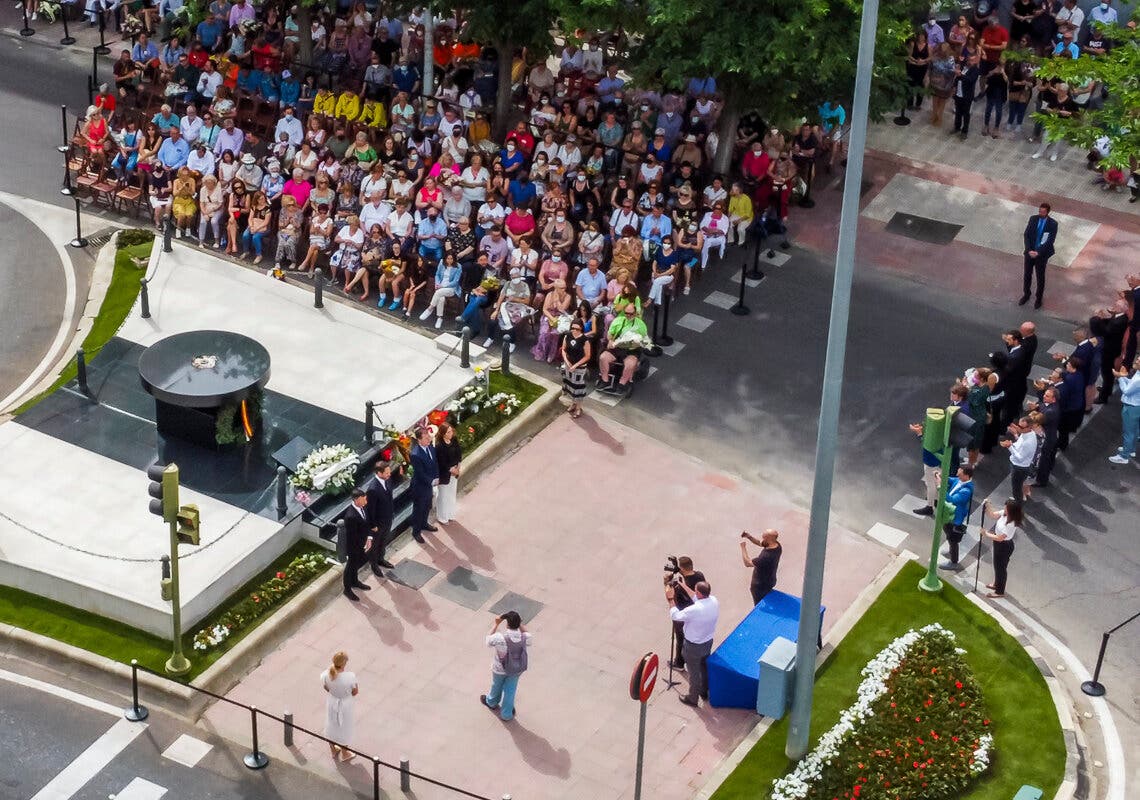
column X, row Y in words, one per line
column 190, row 125
column 291, row 127
column 699, row 623
column 374, row 212
column 1022, row 449
column 208, row 82
column 1069, row 17
column 490, row 215
column 200, row 161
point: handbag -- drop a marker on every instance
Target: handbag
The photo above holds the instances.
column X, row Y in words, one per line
column 337, row 257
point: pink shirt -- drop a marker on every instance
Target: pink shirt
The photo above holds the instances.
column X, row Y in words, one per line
column 298, row 190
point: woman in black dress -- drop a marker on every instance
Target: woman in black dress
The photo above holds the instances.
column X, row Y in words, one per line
column 917, row 62
column 576, row 352
column 448, row 455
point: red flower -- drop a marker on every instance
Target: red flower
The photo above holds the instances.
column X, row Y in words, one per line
column 928, row 702
column 280, row 574
column 985, row 722
column 918, row 719
column 953, row 738
column 957, row 684
column 916, row 765
column 386, row 455
column 470, row 429
column 961, row 705
column 892, row 705
column 933, row 670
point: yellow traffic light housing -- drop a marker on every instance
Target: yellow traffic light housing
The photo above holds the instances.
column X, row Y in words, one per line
column 188, row 527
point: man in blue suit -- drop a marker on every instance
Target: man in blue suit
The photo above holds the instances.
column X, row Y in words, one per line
column 1040, row 236
column 960, row 493
column 425, row 474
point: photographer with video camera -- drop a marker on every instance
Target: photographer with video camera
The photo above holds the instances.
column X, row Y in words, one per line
column 699, row 621
column 680, row 570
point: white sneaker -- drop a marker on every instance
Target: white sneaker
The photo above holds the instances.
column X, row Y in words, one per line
column 488, row 343
column 1053, row 157
column 426, row 314
column 686, row 290
column 512, row 347
column 1036, row 155
column 438, row 323
column 1118, row 459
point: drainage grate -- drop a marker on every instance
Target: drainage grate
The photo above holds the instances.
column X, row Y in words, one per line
column 923, row 229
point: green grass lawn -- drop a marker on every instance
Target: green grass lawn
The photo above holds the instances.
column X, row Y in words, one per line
column 120, row 642
column 1029, row 745
column 117, row 303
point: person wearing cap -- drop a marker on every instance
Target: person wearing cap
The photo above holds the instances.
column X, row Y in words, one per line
column 200, row 161
column 273, row 182
column 688, row 151
column 570, row 154
column 659, row 147
column 289, row 90
column 249, row 173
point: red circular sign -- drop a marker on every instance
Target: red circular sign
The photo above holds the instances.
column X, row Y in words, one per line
column 644, row 678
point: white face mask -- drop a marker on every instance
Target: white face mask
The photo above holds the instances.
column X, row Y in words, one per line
column 1104, row 6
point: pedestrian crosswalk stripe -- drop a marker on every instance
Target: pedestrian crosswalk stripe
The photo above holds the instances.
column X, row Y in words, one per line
column 187, row 750
column 141, row 789
column 694, row 322
column 91, row 761
column 674, row 348
column 891, row 537
column 721, row 300
column 908, row 504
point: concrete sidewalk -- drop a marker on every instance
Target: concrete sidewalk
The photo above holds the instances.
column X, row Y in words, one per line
column 578, row 521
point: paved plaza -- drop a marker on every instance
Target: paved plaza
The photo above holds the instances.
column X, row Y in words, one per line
column 532, row 528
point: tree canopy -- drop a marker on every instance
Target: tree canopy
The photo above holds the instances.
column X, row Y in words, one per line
column 1118, row 119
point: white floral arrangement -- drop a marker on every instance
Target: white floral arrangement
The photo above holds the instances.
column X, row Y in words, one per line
column 214, row 637
column 632, row 340
column 330, row 469
column 798, row 784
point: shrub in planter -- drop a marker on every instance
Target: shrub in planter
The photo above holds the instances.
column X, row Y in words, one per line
column 918, row 729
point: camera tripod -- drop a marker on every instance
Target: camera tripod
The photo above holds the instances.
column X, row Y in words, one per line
column 669, row 682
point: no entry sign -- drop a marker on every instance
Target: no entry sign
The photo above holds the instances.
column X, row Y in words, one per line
column 644, row 678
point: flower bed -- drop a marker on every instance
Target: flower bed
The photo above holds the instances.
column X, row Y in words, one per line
column 918, row 729
column 261, row 600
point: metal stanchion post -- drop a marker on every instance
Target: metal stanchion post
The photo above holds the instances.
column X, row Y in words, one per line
column 902, row 118
column 255, row 759
column 1095, row 688
column 27, row 30
column 63, row 118
column 78, row 241
column 135, row 712
column 375, row 778
column 144, row 298
column 507, row 340
column 81, row 370
column 757, row 274
column 282, row 485
column 405, row 774
column 654, row 351
column 740, row 309
column 102, row 49
column 465, row 347
column 67, row 37
column 369, row 421
column 665, row 339
column 341, row 542
column 167, row 233
column 319, row 290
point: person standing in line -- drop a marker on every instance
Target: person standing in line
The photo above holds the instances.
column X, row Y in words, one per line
column 765, row 564
column 380, row 512
column 1022, row 446
column 1040, row 238
column 1109, row 325
column 960, row 493
column 1132, row 295
column 342, row 688
column 1072, row 400
column 699, row 622
column 965, row 89
column 1129, row 413
column 691, row 578
column 1050, row 411
column 1015, row 376
column 425, row 475
column 1008, row 526
column 356, row 528
column 508, row 662
column 449, row 454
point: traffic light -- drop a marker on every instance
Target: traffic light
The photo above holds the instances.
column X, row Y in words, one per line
column 960, row 429
column 164, row 490
column 934, row 433
column 188, row 524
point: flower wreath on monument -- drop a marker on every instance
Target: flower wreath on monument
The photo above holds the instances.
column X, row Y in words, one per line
column 330, row 469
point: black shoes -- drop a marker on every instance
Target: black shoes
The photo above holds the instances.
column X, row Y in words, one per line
column 1037, row 303
column 351, row 596
column 418, row 538
column 432, row 529
column 364, row 587
column 386, row 564
column 689, row 701
column 1024, row 299
column 925, row 511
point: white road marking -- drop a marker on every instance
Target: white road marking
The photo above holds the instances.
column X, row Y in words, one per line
column 777, row 259
column 1064, row 348
column 749, row 282
column 187, row 750
column 91, row 761
column 908, row 504
column 694, row 322
column 140, row 789
column 721, row 300
column 59, row 691
column 674, row 348
column 891, row 537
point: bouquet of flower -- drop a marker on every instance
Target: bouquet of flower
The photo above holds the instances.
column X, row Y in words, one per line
column 391, row 266
column 331, row 469
column 48, row 10
column 491, row 284
column 132, row 26
column 250, row 28
column 632, row 340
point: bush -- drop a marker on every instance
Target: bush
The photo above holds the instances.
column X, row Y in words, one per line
column 134, row 236
column 919, row 729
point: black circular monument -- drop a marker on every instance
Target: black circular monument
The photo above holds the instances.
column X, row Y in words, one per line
column 194, row 375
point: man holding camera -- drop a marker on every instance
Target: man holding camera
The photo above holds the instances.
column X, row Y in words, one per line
column 681, row 570
column 765, row 564
column 699, row 624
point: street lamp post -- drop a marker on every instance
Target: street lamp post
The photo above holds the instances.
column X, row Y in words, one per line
column 806, row 652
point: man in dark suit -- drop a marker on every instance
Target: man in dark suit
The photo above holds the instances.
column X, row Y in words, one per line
column 1014, row 378
column 1050, row 426
column 1029, row 340
column 356, row 529
column 1109, row 325
column 425, row 473
column 1040, row 237
column 1132, row 297
column 380, row 513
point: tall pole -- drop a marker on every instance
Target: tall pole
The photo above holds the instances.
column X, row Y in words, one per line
column 800, row 721
column 177, row 664
column 641, row 749
column 931, row 582
column 429, row 52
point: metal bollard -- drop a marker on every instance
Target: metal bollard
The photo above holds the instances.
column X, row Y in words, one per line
column 102, row 49
column 369, row 421
column 63, row 148
column 319, row 290
column 136, row 712
column 507, row 354
column 282, row 481
column 167, row 233
column 465, row 347
column 67, row 37
column 255, row 759
column 405, row 774
column 288, row 717
column 740, row 309
column 375, row 778
column 81, row 370
column 665, row 339
column 144, row 298
column 341, row 542
column 78, row 241
column 27, row 30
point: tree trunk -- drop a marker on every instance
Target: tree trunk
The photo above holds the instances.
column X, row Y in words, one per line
column 726, row 126
column 503, row 94
column 305, row 36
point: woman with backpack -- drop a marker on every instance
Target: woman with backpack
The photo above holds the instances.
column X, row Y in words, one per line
column 508, row 662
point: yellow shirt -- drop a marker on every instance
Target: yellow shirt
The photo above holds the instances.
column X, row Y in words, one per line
column 374, row 114
column 740, row 207
column 324, row 103
column 348, row 106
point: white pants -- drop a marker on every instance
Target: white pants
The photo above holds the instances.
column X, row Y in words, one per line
column 658, row 288
column 930, row 477
column 445, row 500
column 1057, row 146
column 439, row 298
column 742, row 230
column 214, row 221
column 710, row 243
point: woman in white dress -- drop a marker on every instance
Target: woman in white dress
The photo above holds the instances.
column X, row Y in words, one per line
column 342, row 688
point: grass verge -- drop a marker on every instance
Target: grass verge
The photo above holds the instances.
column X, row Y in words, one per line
column 117, row 303
column 121, row 642
column 1029, row 745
